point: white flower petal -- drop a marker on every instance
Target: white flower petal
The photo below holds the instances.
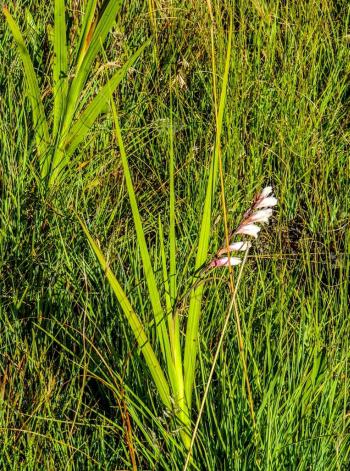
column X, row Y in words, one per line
column 235, row 246
column 266, row 192
column 261, row 216
column 242, row 246
column 266, row 202
column 249, row 229
column 225, row 262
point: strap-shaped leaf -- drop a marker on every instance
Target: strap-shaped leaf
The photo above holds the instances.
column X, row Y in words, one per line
column 87, row 118
column 60, row 65
column 180, row 399
column 174, row 335
column 159, row 312
column 134, row 322
column 39, row 119
column 103, row 27
column 194, row 312
column 87, row 29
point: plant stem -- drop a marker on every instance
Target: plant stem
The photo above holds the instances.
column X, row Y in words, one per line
column 233, row 304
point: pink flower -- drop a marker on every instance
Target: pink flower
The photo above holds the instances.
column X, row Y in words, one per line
column 235, row 246
column 267, row 202
column 248, row 229
column 225, row 262
column 261, row 216
column 266, row 192
column 259, row 213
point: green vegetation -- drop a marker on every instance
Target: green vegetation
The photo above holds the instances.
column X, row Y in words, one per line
column 126, row 147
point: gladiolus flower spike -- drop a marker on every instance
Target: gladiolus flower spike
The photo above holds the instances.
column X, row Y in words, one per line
column 259, row 213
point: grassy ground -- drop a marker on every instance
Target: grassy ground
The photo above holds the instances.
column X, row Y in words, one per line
column 67, row 359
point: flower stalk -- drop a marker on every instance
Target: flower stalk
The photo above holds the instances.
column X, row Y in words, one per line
column 251, row 217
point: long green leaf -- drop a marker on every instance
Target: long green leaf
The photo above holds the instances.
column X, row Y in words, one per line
column 180, row 399
column 39, row 119
column 181, row 409
column 103, row 27
column 194, row 313
column 134, row 321
column 166, row 283
column 172, row 236
column 86, row 31
column 60, row 67
column 84, row 122
column 159, row 313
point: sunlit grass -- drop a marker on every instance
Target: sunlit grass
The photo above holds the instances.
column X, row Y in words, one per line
column 74, row 391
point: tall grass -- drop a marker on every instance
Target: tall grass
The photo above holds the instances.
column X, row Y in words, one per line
column 176, row 393
column 74, row 390
column 69, row 123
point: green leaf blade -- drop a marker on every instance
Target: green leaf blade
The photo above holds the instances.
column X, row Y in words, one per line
column 60, row 66
column 99, row 35
column 194, row 313
column 39, row 118
column 160, row 315
column 86, row 31
column 134, row 322
column 87, row 118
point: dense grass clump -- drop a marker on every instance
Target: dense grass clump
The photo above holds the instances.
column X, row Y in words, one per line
column 75, row 392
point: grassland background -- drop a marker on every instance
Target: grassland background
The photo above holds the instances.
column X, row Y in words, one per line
column 64, row 342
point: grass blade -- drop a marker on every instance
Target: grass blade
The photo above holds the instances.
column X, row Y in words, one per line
column 194, row 313
column 60, row 67
column 172, row 237
column 166, row 281
column 180, row 399
column 159, row 313
column 84, row 122
column 103, row 27
column 134, row 321
column 39, row 119
column 87, row 30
